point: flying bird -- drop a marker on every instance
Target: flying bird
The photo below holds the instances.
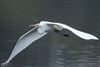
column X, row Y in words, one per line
column 40, row 30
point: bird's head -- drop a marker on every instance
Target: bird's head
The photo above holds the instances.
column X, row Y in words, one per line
column 42, row 23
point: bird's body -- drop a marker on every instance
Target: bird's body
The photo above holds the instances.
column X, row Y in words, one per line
column 42, row 29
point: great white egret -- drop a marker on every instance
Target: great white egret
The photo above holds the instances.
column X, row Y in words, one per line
column 42, row 29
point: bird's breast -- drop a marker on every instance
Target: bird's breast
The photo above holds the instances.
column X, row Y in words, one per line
column 43, row 29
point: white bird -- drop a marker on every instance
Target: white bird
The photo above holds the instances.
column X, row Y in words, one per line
column 39, row 31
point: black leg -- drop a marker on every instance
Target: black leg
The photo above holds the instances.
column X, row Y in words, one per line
column 61, row 33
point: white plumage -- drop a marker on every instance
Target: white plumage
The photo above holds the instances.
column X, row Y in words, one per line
column 39, row 31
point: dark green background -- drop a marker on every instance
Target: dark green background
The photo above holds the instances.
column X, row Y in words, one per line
column 52, row 50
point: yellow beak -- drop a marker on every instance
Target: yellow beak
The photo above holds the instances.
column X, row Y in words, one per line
column 33, row 25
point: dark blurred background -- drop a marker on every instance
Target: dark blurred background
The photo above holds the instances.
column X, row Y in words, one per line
column 52, row 50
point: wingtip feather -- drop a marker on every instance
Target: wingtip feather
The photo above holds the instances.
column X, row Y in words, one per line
column 4, row 64
column 96, row 38
column 93, row 38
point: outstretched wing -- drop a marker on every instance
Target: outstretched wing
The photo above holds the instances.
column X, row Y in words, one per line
column 81, row 34
column 23, row 42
